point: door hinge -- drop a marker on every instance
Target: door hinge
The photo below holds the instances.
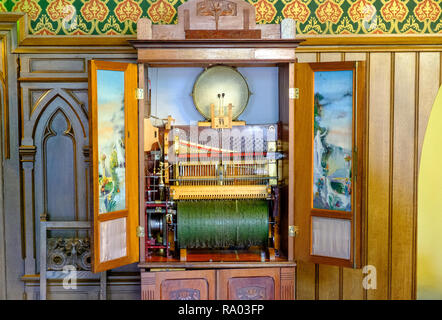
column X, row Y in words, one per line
column 293, row 231
column 293, row 93
column 140, row 231
column 140, row 93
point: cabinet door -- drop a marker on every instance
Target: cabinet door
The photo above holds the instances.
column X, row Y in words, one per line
column 249, row 284
column 329, row 138
column 113, row 125
column 178, row 285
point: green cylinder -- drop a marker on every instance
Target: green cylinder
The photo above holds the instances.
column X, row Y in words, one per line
column 222, row 223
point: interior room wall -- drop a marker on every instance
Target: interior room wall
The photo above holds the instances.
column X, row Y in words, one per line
column 401, row 87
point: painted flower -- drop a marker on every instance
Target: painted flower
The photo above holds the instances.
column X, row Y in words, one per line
column 2, row 8
column 128, row 10
column 394, row 9
column 296, row 10
column 45, row 32
column 59, row 9
column 79, row 33
column 30, row 7
column 329, row 11
column 361, row 10
column 161, row 12
column 265, row 11
column 94, row 9
column 427, row 9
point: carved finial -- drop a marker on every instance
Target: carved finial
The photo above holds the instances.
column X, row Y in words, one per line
column 144, row 29
column 288, row 28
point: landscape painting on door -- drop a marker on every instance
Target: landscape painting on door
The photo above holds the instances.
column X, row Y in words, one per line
column 111, row 141
column 333, row 139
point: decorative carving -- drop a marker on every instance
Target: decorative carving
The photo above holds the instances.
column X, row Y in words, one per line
column 185, row 294
column 251, row 293
column 216, row 8
column 68, row 251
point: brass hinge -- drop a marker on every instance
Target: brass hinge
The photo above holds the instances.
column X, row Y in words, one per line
column 293, row 93
column 293, row 231
column 140, row 93
column 140, row 231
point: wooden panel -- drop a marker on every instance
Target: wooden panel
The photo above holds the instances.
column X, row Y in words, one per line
column 251, row 288
column 305, row 281
column 248, row 284
column 328, row 282
column 59, row 157
column 429, row 75
column 403, row 176
column 352, row 278
column 223, row 34
column 142, row 83
column 178, row 285
column 379, row 171
column 57, row 65
column 303, row 141
column 215, row 55
column 287, row 277
column 354, row 56
column 184, row 289
column 305, row 275
column 306, row 57
column 330, row 57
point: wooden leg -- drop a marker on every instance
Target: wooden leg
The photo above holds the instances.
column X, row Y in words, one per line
column 183, row 255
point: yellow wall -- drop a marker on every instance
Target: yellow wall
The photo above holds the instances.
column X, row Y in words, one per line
column 429, row 254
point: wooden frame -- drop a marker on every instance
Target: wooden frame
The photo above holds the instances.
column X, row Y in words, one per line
column 131, row 149
column 304, row 163
column 249, row 53
column 61, row 225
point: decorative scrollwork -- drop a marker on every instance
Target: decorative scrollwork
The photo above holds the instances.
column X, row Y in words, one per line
column 185, row 294
column 216, row 8
column 251, row 293
column 68, row 251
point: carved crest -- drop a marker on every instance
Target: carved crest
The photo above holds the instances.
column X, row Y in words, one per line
column 216, row 8
column 185, row 294
column 251, row 293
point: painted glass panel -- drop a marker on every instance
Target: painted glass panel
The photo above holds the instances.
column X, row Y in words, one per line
column 331, row 237
column 333, row 135
column 113, row 239
column 111, row 141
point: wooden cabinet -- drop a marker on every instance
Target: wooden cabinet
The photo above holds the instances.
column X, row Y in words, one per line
column 223, row 284
column 178, row 285
column 148, row 220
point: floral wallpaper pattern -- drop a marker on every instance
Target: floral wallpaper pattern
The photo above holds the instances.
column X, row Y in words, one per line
column 118, row 17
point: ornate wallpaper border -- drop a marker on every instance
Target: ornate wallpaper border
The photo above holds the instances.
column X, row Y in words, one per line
column 322, row 17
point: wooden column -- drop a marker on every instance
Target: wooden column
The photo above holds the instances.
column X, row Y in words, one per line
column 27, row 157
